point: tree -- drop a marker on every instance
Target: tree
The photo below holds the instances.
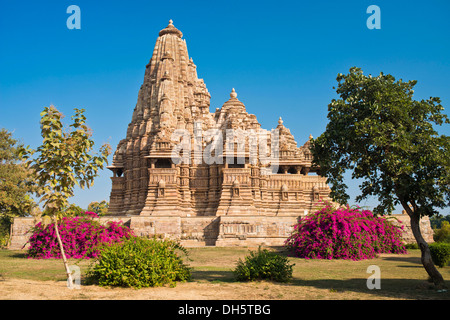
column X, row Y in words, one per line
column 100, row 208
column 63, row 161
column 16, row 184
column 73, row 210
column 443, row 233
column 436, row 221
column 383, row 136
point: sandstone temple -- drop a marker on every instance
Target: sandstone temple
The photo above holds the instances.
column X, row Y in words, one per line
column 238, row 198
column 206, row 178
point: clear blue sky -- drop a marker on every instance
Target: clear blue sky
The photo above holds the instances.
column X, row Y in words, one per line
column 281, row 56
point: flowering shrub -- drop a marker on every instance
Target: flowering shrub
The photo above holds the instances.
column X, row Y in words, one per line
column 344, row 233
column 81, row 237
column 91, row 214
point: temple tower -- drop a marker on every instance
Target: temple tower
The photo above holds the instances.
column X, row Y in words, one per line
column 171, row 97
column 187, row 173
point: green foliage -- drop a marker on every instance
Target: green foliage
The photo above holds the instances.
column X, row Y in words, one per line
column 383, row 136
column 443, row 233
column 16, row 181
column 412, row 246
column 100, row 208
column 264, row 265
column 71, row 210
column 64, row 159
column 440, row 253
column 140, row 262
column 16, row 185
column 436, row 221
column 5, row 225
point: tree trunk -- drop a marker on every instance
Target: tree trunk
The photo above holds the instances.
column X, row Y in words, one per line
column 63, row 255
column 427, row 262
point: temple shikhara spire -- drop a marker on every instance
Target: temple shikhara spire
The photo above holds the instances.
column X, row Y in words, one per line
column 207, row 178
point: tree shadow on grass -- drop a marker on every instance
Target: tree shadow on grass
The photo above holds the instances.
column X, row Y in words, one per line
column 19, row 255
column 389, row 288
column 406, row 259
column 280, row 250
column 406, row 262
column 213, row 275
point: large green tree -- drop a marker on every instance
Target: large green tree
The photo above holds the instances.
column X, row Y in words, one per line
column 100, row 208
column 64, row 160
column 16, row 184
column 384, row 137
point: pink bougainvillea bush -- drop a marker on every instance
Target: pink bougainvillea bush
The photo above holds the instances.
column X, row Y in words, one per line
column 344, row 233
column 81, row 237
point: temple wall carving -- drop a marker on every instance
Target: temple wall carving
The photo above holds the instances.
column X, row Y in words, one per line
column 211, row 230
column 237, row 180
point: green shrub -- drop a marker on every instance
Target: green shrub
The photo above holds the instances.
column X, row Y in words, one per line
column 5, row 226
column 412, row 246
column 443, row 233
column 436, row 221
column 440, row 253
column 262, row 264
column 139, row 262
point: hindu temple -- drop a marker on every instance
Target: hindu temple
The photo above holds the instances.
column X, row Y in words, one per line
column 214, row 178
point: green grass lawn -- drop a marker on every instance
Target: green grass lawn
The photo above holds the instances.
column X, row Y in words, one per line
column 14, row 264
column 402, row 276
